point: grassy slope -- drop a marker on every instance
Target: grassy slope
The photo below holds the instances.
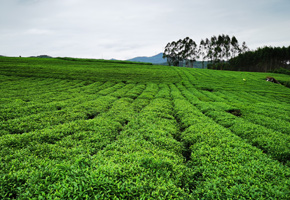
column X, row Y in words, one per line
column 118, row 130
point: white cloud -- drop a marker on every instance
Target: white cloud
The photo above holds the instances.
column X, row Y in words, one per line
column 129, row 28
column 35, row 31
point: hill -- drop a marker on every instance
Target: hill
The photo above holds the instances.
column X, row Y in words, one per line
column 157, row 59
column 41, row 56
column 95, row 129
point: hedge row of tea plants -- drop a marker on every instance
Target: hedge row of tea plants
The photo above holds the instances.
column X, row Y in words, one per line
column 86, row 70
column 281, row 124
column 146, row 161
column 60, row 114
column 45, row 100
column 250, row 122
column 227, row 167
column 87, row 129
column 58, row 152
column 272, row 142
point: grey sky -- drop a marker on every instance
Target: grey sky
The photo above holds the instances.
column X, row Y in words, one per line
column 125, row 29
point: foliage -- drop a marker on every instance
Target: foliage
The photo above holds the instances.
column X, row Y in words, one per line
column 219, row 66
column 78, row 129
column 182, row 50
column 262, row 60
column 81, row 69
column 221, row 48
column 217, row 49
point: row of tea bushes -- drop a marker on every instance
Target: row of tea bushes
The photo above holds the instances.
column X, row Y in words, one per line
column 273, row 143
column 51, row 163
column 25, row 119
column 280, row 124
column 50, row 118
column 146, row 161
column 278, row 111
column 49, row 101
column 86, row 71
column 221, row 160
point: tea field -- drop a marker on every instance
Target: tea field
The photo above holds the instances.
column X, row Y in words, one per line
column 95, row 129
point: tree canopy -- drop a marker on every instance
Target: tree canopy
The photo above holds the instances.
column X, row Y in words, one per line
column 215, row 50
column 262, row 60
column 225, row 52
column 182, row 50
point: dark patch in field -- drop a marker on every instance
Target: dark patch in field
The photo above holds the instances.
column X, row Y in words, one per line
column 87, row 83
column 92, row 115
column 187, row 152
column 17, row 132
column 236, row 112
column 134, row 97
column 207, row 89
column 124, row 123
column 58, row 108
column 285, row 83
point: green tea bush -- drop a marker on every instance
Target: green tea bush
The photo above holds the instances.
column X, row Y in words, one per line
column 271, row 142
column 221, row 159
column 87, row 129
column 280, row 125
column 150, row 91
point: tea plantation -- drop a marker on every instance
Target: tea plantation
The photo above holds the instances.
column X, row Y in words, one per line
column 95, row 129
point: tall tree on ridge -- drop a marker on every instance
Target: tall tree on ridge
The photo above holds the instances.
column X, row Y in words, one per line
column 214, row 50
column 172, row 54
column 182, row 50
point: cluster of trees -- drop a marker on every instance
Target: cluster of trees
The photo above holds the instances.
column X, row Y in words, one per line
column 262, row 60
column 217, row 49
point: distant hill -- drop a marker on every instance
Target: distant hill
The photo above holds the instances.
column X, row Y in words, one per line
column 154, row 59
column 158, row 59
column 41, row 56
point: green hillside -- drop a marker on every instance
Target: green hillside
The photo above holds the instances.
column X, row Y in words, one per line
column 95, row 129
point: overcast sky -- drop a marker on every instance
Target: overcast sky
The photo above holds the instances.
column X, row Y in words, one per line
column 124, row 29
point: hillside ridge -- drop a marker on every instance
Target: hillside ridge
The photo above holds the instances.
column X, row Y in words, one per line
column 156, row 59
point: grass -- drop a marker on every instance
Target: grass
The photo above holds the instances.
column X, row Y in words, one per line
column 95, row 129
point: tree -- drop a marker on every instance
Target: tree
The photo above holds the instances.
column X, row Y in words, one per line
column 172, row 54
column 201, row 51
column 188, row 51
column 216, row 50
column 262, row 60
column 219, row 49
column 235, row 50
column 181, row 51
